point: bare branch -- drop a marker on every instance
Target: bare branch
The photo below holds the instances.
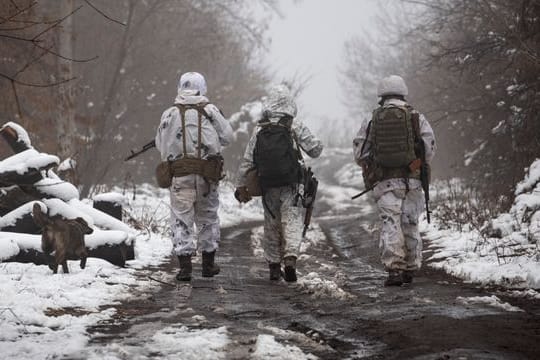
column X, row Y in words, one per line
column 103, row 14
column 58, row 22
column 18, row 82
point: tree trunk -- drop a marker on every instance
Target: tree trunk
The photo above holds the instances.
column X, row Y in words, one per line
column 66, row 108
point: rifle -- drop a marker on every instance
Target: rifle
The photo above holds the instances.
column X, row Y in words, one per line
column 365, row 191
column 420, row 149
column 146, row 147
column 310, row 192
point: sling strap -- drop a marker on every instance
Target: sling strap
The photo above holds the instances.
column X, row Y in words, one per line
column 182, row 108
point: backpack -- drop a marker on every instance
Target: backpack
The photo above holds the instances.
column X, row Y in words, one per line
column 393, row 137
column 275, row 155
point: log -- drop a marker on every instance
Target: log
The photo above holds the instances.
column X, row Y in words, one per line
column 10, row 178
column 11, row 135
column 13, row 197
column 114, row 209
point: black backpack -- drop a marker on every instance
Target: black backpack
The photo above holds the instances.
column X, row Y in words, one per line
column 276, row 155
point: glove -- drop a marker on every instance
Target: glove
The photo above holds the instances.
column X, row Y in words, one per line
column 242, row 195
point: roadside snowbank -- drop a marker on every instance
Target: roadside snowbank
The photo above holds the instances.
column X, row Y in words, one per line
column 505, row 251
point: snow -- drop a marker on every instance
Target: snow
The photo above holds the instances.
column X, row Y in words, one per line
column 318, row 287
column 112, row 197
column 11, row 218
column 267, row 347
column 57, row 188
column 231, row 212
column 21, row 241
column 8, row 248
column 504, row 251
column 492, row 301
column 66, row 210
column 532, row 178
column 30, row 293
column 100, row 219
column 67, row 164
column 26, row 160
column 22, row 135
column 105, row 237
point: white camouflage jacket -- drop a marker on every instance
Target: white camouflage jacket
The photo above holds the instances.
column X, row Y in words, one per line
column 216, row 130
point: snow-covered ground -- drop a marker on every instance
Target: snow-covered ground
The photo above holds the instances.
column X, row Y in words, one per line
column 40, row 311
column 504, row 251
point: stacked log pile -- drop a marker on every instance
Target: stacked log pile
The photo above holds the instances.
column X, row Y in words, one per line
column 28, row 177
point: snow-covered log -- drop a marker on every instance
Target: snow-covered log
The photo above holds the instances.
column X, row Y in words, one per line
column 111, row 203
column 16, row 137
column 25, row 167
column 11, row 198
column 109, row 245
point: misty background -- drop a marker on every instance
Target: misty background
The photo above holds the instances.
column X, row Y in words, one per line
column 89, row 79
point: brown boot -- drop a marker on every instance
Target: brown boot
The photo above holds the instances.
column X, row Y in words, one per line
column 275, row 271
column 209, row 268
column 185, row 268
column 290, row 268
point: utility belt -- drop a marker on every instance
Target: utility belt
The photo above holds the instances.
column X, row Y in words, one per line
column 211, row 169
column 374, row 173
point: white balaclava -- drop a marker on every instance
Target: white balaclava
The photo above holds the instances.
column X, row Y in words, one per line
column 192, row 83
column 392, row 85
column 279, row 102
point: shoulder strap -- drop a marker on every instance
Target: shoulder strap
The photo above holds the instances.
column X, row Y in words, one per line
column 415, row 118
column 201, row 112
column 367, row 137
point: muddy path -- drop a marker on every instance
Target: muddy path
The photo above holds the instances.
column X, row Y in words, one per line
column 338, row 310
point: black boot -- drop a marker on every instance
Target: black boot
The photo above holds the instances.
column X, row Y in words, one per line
column 209, row 269
column 185, row 268
column 407, row 276
column 394, row 278
column 290, row 268
column 275, row 271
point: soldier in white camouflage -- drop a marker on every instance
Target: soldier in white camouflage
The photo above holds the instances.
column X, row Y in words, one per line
column 283, row 215
column 397, row 190
column 193, row 127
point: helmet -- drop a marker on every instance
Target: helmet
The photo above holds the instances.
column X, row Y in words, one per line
column 192, row 82
column 279, row 101
column 392, row 85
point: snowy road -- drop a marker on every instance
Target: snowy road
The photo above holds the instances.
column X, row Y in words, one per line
column 339, row 309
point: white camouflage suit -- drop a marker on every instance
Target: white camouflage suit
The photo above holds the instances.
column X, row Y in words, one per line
column 400, row 242
column 194, row 201
column 283, row 231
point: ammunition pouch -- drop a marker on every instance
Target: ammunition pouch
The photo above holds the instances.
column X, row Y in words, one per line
column 211, row 169
column 371, row 173
column 164, row 174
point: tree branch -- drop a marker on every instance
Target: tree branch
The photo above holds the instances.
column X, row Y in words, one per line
column 103, row 14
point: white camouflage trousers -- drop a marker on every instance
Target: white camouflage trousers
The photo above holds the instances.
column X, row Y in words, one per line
column 194, row 217
column 283, row 232
column 400, row 242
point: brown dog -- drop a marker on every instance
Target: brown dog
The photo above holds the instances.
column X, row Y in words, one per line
column 64, row 237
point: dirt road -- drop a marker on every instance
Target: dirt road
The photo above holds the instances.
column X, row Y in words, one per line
column 339, row 309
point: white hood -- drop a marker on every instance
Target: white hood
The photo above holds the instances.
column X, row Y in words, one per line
column 279, row 102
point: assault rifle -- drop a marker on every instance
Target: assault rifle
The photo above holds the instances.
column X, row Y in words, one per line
column 310, row 192
column 365, row 191
column 150, row 145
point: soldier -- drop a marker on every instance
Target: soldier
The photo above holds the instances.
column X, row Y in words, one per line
column 274, row 153
column 389, row 149
column 190, row 137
